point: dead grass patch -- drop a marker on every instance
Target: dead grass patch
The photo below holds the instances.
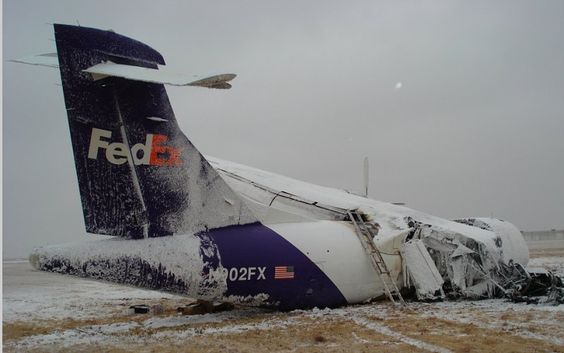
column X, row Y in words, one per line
column 461, row 337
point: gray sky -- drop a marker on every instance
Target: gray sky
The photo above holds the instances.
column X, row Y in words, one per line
column 476, row 129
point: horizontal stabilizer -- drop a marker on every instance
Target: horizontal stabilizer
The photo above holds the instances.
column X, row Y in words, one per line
column 49, row 60
column 136, row 73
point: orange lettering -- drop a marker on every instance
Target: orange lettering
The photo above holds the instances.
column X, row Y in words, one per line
column 156, row 150
column 163, row 155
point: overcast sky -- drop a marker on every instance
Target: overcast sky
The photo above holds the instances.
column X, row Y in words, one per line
column 458, row 104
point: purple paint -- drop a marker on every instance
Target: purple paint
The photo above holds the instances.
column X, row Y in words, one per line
column 257, row 246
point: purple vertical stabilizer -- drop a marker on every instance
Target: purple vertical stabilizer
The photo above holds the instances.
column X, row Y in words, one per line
column 139, row 176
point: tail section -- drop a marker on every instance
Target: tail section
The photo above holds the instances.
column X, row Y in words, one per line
column 139, row 176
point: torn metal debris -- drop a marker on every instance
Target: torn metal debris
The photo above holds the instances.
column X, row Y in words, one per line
column 468, row 268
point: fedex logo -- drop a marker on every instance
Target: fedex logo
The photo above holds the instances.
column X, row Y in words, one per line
column 152, row 152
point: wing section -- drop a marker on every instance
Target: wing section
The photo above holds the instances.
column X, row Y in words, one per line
column 137, row 73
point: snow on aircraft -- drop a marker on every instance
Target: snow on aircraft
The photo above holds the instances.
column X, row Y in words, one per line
column 220, row 231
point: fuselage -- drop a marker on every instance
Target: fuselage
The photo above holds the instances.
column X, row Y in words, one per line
column 302, row 255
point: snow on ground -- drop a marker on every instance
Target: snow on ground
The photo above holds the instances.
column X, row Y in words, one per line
column 551, row 263
column 493, row 314
column 28, row 293
column 51, row 312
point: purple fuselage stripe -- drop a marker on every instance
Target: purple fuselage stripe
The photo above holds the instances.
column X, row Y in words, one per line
column 257, row 246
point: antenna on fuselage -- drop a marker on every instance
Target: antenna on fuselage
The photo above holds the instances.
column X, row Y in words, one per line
column 366, row 175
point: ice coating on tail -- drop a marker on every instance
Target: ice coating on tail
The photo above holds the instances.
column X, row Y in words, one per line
column 139, row 175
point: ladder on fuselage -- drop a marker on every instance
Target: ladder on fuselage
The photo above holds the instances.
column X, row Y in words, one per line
column 366, row 236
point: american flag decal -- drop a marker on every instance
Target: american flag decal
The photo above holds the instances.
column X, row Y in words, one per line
column 284, row 272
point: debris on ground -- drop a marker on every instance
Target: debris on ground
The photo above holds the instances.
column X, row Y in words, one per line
column 139, row 309
column 200, row 307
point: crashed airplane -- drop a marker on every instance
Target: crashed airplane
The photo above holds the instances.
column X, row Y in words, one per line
column 220, row 231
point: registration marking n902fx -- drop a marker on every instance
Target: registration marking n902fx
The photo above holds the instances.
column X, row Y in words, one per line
column 246, row 273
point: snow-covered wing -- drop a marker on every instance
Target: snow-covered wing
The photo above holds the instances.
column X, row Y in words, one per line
column 136, row 73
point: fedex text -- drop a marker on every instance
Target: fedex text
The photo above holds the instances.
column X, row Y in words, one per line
column 153, row 152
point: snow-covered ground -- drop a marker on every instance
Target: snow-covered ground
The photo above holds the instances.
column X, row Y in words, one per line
column 31, row 294
column 50, row 312
column 551, row 263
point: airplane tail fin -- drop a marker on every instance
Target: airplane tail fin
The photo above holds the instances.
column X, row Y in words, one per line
column 139, row 176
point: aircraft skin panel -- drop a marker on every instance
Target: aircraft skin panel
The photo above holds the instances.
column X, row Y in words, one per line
column 335, row 247
column 246, row 264
column 236, row 264
column 172, row 264
column 391, row 218
column 107, row 43
column 243, row 248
